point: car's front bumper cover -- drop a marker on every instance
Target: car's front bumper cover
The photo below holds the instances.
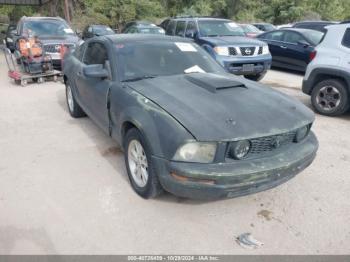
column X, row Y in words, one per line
column 235, row 178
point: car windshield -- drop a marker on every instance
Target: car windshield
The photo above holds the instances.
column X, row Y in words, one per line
column 314, row 36
column 152, row 30
column 250, row 29
column 47, row 27
column 138, row 60
column 219, row 28
column 103, row 30
column 269, row 27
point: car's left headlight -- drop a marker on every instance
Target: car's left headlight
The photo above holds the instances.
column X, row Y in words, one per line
column 222, row 50
column 266, row 50
column 198, row 152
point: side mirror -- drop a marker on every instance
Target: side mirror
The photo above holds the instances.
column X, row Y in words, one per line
column 95, row 71
column 303, row 43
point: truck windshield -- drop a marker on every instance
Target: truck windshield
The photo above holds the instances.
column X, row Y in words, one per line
column 149, row 59
column 219, row 28
column 46, row 28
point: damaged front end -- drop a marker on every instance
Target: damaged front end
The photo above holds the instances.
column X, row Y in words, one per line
column 241, row 168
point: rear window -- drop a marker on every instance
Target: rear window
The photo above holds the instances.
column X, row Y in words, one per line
column 346, row 38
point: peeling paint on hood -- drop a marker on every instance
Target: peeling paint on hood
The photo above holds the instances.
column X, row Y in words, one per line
column 242, row 111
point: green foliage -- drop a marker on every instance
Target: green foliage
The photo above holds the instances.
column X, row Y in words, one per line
column 117, row 12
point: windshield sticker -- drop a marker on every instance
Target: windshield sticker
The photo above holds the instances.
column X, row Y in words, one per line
column 194, row 69
column 186, row 47
column 68, row 31
column 233, row 25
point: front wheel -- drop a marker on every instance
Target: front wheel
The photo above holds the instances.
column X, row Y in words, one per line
column 139, row 165
column 256, row 77
column 330, row 97
column 73, row 107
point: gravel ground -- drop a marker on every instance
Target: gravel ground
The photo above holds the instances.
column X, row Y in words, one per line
column 64, row 190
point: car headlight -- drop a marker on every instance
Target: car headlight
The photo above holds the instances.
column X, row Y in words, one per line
column 301, row 133
column 222, row 50
column 10, row 40
column 197, row 152
column 240, row 149
column 266, row 50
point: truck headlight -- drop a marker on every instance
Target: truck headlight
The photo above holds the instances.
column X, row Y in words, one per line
column 266, row 50
column 222, row 50
column 197, row 152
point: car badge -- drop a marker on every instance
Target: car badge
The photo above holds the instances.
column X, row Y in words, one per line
column 248, row 51
column 276, row 143
column 57, row 47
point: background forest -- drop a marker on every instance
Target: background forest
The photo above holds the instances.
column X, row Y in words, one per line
column 116, row 12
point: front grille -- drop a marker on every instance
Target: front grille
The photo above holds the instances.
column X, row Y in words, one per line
column 232, row 51
column 247, row 51
column 267, row 144
column 54, row 48
column 260, row 50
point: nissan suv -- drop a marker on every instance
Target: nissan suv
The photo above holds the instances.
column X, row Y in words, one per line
column 226, row 42
column 53, row 32
column 327, row 78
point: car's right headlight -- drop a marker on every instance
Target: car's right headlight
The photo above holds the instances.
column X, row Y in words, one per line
column 222, row 50
column 198, row 152
column 266, row 50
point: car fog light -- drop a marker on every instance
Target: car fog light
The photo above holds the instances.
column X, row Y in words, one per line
column 240, row 149
column 301, row 133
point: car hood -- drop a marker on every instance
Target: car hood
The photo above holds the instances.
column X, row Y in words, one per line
column 224, row 108
column 232, row 40
column 67, row 39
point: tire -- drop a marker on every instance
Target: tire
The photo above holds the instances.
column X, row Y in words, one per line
column 330, row 97
column 149, row 186
column 73, row 107
column 256, row 77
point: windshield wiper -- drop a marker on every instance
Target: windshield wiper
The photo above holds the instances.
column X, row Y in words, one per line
column 139, row 78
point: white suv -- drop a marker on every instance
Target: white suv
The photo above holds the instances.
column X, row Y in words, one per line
column 327, row 77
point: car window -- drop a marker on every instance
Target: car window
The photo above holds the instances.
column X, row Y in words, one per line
column 137, row 59
column 314, row 37
column 180, row 28
column 346, row 38
column 79, row 51
column 96, row 53
column 292, row 37
column 191, row 28
column 274, row 36
column 213, row 28
column 171, row 28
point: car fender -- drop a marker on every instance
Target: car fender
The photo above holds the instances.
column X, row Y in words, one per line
column 323, row 73
column 161, row 131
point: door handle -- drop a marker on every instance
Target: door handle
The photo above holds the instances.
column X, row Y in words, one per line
column 283, row 47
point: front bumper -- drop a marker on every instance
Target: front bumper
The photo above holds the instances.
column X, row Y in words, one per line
column 235, row 178
column 235, row 65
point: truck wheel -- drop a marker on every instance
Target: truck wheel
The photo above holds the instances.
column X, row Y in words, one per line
column 256, row 77
column 330, row 97
column 139, row 166
column 73, row 107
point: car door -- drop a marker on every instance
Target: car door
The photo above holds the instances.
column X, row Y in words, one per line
column 296, row 55
column 274, row 40
column 93, row 91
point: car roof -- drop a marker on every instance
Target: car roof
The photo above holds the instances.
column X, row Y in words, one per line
column 37, row 18
column 261, row 24
column 314, row 22
column 125, row 38
column 300, row 30
column 200, row 18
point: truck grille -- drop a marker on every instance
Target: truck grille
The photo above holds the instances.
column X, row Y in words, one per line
column 247, row 51
column 232, row 51
column 54, row 48
column 260, row 50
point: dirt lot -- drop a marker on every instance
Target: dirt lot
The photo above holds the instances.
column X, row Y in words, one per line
column 64, row 190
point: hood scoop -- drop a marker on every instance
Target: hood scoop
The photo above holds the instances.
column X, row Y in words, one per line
column 213, row 82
